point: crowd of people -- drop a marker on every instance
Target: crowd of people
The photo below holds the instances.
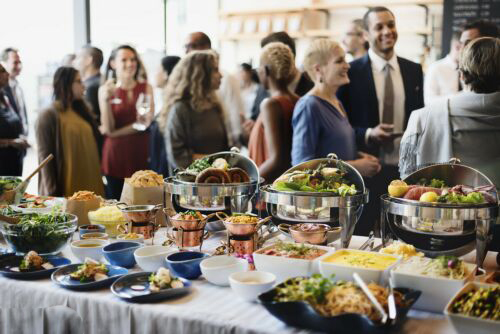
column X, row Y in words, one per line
column 376, row 112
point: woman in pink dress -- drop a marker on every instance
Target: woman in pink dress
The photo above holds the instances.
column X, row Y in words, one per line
column 126, row 144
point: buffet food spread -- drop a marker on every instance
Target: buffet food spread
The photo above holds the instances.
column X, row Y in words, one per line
column 303, row 283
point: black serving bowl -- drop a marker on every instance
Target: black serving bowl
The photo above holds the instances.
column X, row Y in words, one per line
column 302, row 314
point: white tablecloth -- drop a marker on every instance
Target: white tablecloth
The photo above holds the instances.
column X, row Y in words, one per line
column 208, row 309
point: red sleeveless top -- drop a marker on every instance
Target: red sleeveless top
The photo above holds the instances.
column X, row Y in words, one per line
column 124, row 155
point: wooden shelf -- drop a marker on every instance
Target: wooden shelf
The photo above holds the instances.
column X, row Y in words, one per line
column 326, row 6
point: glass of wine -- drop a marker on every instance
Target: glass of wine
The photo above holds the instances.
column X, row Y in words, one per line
column 143, row 106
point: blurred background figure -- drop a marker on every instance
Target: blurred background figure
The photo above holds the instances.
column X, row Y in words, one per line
column 441, row 78
column 11, row 61
column 68, row 130
column 476, row 29
column 166, row 67
column 249, row 84
column 270, row 141
column 192, row 119
column 354, row 41
column 229, row 92
column 68, row 60
column 12, row 142
column 88, row 62
column 127, row 106
column 158, row 153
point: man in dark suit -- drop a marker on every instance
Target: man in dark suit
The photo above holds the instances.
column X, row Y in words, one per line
column 383, row 90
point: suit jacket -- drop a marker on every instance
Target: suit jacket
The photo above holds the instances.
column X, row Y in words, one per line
column 359, row 97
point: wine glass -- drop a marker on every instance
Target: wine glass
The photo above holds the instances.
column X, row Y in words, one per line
column 143, row 106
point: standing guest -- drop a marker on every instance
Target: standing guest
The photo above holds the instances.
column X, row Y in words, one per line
column 67, row 129
column 158, row 153
column 229, row 92
column 354, row 40
column 320, row 124
column 441, row 78
column 383, row 91
column 11, row 61
column 166, row 67
column 88, row 62
column 465, row 125
column 300, row 83
column 476, row 29
column 126, row 145
column 271, row 138
column 192, row 119
column 249, row 84
column 12, row 142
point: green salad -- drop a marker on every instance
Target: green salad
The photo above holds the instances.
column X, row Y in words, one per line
column 43, row 233
column 321, row 179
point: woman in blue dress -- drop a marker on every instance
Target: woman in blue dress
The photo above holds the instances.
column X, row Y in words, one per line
column 320, row 124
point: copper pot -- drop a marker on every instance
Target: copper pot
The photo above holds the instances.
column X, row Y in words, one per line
column 243, row 245
column 315, row 234
column 186, row 224
column 187, row 238
column 241, row 229
column 147, row 229
column 139, row 213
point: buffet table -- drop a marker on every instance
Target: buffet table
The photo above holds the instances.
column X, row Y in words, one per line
column 207, row 309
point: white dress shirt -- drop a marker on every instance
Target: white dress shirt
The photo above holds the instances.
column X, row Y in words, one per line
column 378, row 64
column 440, row 80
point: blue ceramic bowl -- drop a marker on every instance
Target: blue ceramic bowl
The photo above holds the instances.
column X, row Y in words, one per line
column 121, row 253
column 91, row 228
column 186, row 264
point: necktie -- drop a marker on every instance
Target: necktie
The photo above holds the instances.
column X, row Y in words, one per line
column 388, row 112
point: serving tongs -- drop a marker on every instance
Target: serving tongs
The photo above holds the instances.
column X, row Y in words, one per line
column 369, row 242
column 21, row 187
column 371, row 297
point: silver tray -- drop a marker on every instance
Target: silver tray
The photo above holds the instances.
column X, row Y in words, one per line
column 440, row 228
column 316, row 207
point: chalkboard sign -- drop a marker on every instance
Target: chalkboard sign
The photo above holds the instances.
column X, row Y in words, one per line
column 458, row 12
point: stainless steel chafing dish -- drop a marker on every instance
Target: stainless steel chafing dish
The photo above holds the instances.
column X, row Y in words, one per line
column 320, row 207
column 233, row 197
column 439, row 228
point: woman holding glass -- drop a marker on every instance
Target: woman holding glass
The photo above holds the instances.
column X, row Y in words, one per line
column 126, row 105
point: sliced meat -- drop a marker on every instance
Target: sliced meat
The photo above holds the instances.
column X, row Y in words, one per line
column 415, row 192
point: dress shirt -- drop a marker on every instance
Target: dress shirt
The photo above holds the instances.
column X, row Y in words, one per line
column 20, row 104
column 377, row 65
column 441, row 79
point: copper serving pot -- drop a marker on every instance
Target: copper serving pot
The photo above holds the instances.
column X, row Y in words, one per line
column 186, row 224
column 187, row 238
column 316, row 234
column 241, row 229
column 139, row 213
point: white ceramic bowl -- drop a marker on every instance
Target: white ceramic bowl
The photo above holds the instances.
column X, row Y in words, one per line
column 249, row 284
column 465, row 324
column 140, row 238
column 344, row 272
column 94, row 252
column 285, row 267
column 216, row 269
column 150, row 258
column 436, row 292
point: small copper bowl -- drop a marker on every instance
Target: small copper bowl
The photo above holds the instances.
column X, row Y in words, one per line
column 139, row 213
column 241, row 228
column 311, row 233
column 188, row 224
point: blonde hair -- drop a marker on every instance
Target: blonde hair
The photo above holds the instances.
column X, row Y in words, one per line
column 191, row 81
column 319, row 52
column 279, row 61
column 480, row 65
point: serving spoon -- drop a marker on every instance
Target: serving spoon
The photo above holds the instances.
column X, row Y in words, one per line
column 370, row 296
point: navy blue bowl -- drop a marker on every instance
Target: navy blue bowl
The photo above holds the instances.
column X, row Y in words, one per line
column 302, row 314
column 121, row 253
column 88, row 229
column 186, row 264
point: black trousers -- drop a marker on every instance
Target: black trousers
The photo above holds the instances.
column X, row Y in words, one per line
column 370, row 219
column 113, row 187
column 11, row 161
